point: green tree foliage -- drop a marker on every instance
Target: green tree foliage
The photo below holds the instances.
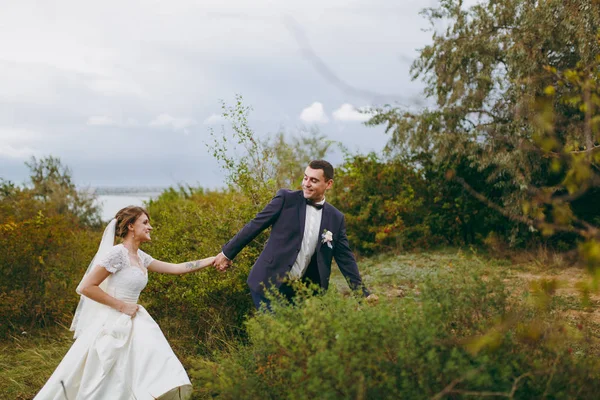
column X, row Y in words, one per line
column 42, row 259
column 249, row 169
column 382, row 202
column 293, row 155
column 484, row 67
column 515, row 87
column 51, row 182
column 258, row 167
column 47, row 239
column 454, row 216
column 204, row 310
column 400, row 203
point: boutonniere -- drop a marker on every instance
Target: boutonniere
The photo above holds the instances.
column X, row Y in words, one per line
column 327, row 237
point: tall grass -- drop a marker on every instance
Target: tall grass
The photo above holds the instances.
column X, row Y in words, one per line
column 448, row 323
column 448, row 329
column 27, row 361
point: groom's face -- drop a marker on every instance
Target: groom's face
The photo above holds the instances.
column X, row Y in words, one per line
column 315, row 184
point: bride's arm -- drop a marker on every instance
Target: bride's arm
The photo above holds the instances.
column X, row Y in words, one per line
column 90, row 289
column 180, row 269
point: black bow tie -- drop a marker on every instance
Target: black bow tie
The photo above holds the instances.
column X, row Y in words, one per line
column 313, row 204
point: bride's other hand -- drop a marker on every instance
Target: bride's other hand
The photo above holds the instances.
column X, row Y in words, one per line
column 129, row 309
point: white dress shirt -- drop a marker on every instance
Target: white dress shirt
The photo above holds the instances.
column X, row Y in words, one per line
column 309, row 241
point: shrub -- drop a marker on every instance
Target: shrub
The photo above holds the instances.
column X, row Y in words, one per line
column 382, row 202
column 332, row 347
column 48, row 236
column 205, row 308
column 42, row 260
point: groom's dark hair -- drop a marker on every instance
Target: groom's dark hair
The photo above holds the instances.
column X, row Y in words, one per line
column 325, row 166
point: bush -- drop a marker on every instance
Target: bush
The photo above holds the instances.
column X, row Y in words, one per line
column 206, row 309
column 331, row 347
column 382, row 202
column 42, row 260
column 48, row 236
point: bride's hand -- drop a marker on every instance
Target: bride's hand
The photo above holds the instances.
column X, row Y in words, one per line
column 129, row 309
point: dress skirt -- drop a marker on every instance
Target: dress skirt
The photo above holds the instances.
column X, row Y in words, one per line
column 119, row 358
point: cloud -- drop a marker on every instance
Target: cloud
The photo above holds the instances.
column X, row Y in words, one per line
column 104, row 120
column 314, row 114
column 178, row 124
column 20, row 153
column 214, row 119
column 19, row 143
column 131, row 122
column 17, row 135
column 87, row 79
column 114, row 87
column 100, row 120
column 347, row 112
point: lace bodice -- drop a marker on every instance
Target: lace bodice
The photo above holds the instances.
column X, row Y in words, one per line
column 126, row 280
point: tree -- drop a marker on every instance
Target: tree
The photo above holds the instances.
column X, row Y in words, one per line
column 294, row 153
column 264, row 165
column 52, row 183
column 515, row 87
column 382, row 201
column 48, row 233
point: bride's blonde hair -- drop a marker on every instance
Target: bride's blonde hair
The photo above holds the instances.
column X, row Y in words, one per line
column 126, row 216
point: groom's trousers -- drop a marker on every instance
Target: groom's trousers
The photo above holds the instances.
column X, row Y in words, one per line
column 311, row 277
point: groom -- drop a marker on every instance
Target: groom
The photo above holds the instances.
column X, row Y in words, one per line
column 306, row 234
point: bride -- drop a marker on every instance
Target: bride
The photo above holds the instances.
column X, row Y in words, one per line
column 119, row 351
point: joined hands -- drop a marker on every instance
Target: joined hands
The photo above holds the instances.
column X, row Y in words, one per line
column 221, row 262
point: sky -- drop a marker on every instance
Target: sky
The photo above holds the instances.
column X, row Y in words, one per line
column 126, row 92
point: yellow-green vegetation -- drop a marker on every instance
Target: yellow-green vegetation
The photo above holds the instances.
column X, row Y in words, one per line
column 48, row 235
column 203, row 311
column 449, row 324
column 505, row 167
column 448, row 321
column 28, row 360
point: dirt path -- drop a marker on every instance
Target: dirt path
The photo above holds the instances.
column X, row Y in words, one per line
column 571, row 284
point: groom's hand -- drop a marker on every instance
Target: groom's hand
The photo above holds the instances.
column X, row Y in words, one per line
column 222, row 262
column 372, row 298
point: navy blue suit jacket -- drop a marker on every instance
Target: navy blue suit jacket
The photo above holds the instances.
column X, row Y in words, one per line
column 286, row 214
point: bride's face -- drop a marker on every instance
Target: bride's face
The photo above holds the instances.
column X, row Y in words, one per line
column 141, row 228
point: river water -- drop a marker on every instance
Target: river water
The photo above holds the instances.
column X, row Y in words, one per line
column 111, row 203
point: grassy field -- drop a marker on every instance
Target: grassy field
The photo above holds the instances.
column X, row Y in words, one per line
column 28, row 360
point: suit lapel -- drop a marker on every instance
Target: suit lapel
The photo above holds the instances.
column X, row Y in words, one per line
column 324, row 224
column 302, row 215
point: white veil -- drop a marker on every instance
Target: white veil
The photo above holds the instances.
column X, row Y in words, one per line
column 88, row 309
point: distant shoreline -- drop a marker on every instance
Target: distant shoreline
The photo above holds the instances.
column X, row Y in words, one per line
column 110, row 203
column 125, row 190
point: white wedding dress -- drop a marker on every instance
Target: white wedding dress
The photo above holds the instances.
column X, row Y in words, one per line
column 118, row 357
